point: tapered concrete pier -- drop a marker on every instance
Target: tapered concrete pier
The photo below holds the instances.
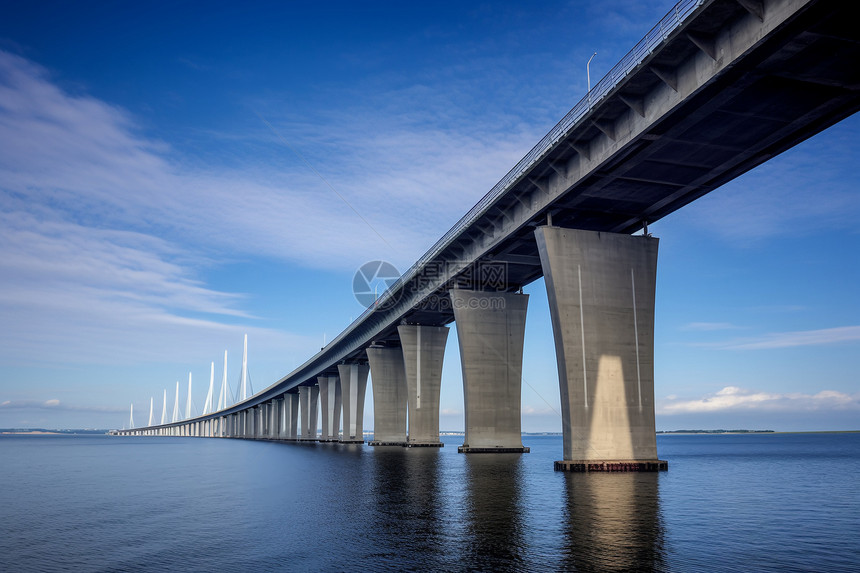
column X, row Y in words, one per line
column 274, row 428
column 423, row 352
column 308, row 400
column 330, row 404
column 353, row 383
column 388, row 376
column 601, row 289
column 291, row 416
column 490, row 331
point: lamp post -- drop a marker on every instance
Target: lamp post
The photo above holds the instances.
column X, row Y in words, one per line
column 588, row 77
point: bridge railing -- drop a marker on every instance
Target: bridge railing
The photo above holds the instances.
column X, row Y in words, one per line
column 619, row 71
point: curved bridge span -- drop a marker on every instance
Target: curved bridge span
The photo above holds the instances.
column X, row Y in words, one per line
column 716, row 88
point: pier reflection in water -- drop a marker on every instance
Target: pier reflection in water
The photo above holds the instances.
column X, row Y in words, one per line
column 409, row 525
column 493, row 512
column 613, row 522
column 505, row 512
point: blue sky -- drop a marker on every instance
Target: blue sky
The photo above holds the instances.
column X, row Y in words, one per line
column 151, row 216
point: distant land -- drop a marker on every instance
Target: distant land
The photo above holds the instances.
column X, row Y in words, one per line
column 716, row 431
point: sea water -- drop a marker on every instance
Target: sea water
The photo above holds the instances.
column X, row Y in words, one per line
column 755, row 502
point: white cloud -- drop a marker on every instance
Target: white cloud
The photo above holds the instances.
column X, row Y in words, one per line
column 104, row 232
column 546, row 411
column 733, row 398
column 55, row 404
column 76, row 157
column 708, row 326
column 821, row 337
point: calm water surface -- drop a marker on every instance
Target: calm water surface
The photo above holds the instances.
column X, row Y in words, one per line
column 783, row 502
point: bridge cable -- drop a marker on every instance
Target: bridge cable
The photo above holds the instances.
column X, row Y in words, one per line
column 551, row 407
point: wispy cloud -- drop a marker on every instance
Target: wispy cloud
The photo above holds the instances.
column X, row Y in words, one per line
column 821, row 337
column 533, row 411
column 81, row 159
column 105, row 232
column 709, row 326
column 733, row 398
column 54, row 404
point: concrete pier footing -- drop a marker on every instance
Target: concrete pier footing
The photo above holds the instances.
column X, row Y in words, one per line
column 490, row 331
column 388, row 376
column 611, row 466
column 423, row 352
column 353, row 384
column 601, row 290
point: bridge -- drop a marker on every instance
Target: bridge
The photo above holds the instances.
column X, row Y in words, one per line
column 716, row 88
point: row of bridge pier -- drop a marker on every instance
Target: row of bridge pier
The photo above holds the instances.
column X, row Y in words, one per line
column 601, row 291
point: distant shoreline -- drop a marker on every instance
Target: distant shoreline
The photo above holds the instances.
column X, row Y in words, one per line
column 750, row 432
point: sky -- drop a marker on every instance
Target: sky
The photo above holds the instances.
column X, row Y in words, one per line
column 176, row 175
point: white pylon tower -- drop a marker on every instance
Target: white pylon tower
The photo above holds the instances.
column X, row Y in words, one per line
column 222, row 396
column 176, row 405
column 244, row 384
column 164, row 408
column 188, row 401
column 207, row 406
column 150, row 411
column 131, row 418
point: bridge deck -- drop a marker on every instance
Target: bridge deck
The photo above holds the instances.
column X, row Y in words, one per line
column 712, row 93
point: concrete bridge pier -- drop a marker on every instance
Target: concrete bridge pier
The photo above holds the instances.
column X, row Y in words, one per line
column 353, row 384
column 276, row 406
column 330, row 405
column 272, row 426
column 423, row 352
column 308, row 401
column 291, row 416
column 490, row 331
column 601, row 289
column 260, row 421
column 388, row 377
